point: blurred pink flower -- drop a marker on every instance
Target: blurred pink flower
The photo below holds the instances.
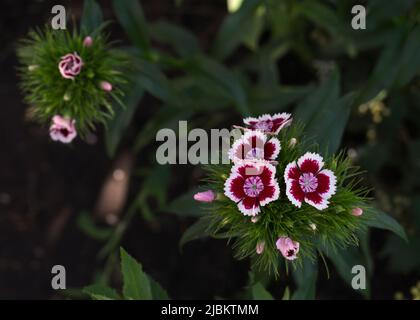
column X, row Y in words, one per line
column 70, row 65
column 260, row 247
column 206, row 196
column 63, row 129
column 357, row 212
column 288, row 248
column 106, row 86
column 87, row 42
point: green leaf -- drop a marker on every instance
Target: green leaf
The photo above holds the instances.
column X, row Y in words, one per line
column 130, row 15
column 264, row 99
column 344, row 260
column 158, row 292
column 92, row 16
column 408, row 59
column 166, row 117
column 101, row 292
column 197, row 230
column 245, row 25
column 325, row 114
column 305, row 277
column 88, row 226
column 182, row 40
column 136, row 283
column 154, row 81
column 122, row 118
column 381, row 220
column 215, row 74
column 260, row 293
column 186, row 206
column 286, row 294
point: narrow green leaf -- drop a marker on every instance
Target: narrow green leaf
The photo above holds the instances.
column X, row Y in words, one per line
column 381, row 220
column 92, row 16
column 286, row 294
column 325, row 114
column 210, row 71
column 182, row 40
column 158, row 292
column 101, row 292
column 122, row 118
column 305, row 277
column 186, row 206
column 136, row 283
column 260, row 293
column 130, row 15
column 244, row 25
column 344, row 261
column 88, row 226
column 196, row 231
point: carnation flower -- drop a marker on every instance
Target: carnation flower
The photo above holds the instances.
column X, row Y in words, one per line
column 252, row 186
column 63, row 129
column 70, row 65
column 98, row 73
column 253, row 145
column 269, row 124
column 307, row 181
column 288, row 248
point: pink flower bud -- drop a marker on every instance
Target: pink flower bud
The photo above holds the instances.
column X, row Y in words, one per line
column 87, row 42
column 357, row 212
column 63, row 129
column 207, row 196
column 106, row 86
column 260, row 247
column 292, row 142
column 288, row 248
column 70, row 65
column 255, row 219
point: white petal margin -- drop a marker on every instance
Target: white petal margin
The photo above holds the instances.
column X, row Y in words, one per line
column 290, row 196
column 320, row 206
column 290, row 166
column 311, row 156
column 248, row 120
column 249, row 212
column 260, row 118
column 333, row 182
column 275, row 196
column 276, row 152
column 249, row 134
column 232, row 151
column 227, row 188
column 287, row 120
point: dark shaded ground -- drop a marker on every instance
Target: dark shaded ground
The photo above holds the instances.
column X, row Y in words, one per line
column 44, row 185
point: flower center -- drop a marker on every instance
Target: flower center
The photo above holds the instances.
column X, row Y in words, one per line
column 308, row 182
column 253, row 186
column 64, row 132
column 265, row 125
column 290, row 252
column 255, row 153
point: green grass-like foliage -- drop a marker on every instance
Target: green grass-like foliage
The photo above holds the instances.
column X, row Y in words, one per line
column 335, row 227
column 48, row 93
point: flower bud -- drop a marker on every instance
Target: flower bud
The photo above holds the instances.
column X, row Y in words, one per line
column 87, row 42
column 206, row 196
column 106, row 86
column 260, row 247
column 357, row 212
